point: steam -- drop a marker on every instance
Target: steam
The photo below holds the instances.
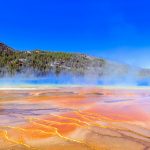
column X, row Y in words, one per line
column 112, row 74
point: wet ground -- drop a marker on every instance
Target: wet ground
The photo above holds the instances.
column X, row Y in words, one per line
column 75, row 118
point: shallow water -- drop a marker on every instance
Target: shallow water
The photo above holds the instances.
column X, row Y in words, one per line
column 75, row 118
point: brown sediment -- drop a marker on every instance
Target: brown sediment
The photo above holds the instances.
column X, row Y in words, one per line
column 75, row 119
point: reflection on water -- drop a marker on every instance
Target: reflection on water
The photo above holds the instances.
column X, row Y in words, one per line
column 75, row 118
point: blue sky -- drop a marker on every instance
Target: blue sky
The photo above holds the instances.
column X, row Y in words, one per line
column 114, row 29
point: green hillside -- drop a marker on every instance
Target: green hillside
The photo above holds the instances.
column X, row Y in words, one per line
column 44, row 62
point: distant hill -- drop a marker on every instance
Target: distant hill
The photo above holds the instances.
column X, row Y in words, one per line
column 5, row 48
column 42, row 63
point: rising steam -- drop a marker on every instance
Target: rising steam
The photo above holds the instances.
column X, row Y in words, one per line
column 111, row 74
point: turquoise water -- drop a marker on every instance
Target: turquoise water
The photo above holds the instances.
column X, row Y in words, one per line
column 70, row 80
